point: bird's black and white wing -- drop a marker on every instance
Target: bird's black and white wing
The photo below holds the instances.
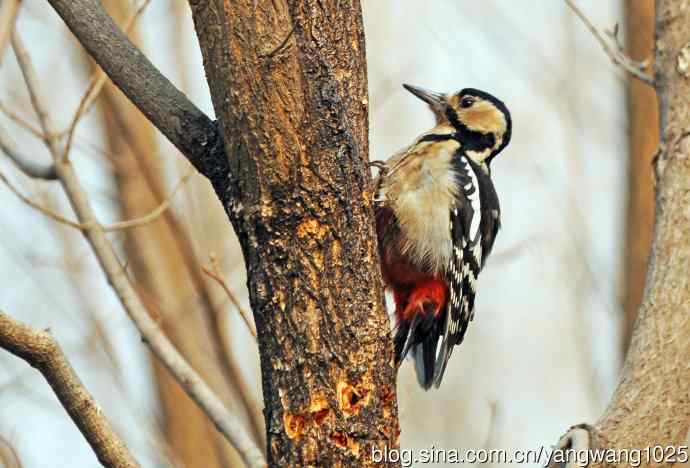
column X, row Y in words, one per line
column 465, row 262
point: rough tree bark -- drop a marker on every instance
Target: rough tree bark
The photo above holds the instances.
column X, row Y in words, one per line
column 651, row 405
column 288, row 83
column 289, row 87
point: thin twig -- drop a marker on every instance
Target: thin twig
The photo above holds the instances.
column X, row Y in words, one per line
column 155, row 213
column 189, row 129
column 152, row 216
column 26, row 165
column 40, row 350
column 8, row 16
column 227, row 423
column 216, row 274
column 21, row 121
column 37, row 206
column 49, row 138
column 617, row 56
column 97, row 82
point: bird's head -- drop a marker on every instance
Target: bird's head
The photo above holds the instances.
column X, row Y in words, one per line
column 482, row 122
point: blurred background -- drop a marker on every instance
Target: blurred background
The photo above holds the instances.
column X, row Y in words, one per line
column 556, row 299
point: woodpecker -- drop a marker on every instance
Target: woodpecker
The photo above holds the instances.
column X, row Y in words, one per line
column 437, row 216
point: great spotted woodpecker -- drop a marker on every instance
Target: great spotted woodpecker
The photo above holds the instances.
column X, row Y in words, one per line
column 437, row 216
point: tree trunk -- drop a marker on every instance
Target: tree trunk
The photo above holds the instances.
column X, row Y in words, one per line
column 644, row 141
column 652, row 403
column 288, row 83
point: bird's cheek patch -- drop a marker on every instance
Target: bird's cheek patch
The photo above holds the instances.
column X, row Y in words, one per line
column 484, row 118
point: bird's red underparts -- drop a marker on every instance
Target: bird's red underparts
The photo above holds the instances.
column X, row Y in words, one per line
column 415, row 291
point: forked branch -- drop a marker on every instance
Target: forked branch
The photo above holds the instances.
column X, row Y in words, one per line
column 40, row 350
column 616, row 54
column 187, row 127
column 227, row 423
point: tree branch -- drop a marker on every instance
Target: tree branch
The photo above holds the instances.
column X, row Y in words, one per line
column 97, row 82
column 28, row 166
column 50, row 137
column 139, row 221
column 40, row 350
column 162, row 348
column 37, row 206
column 294, row 111
column 21, row 121
column 650, row 406
column 216, row 274
column 616, row 55
column 8, row 14
column 189, row 129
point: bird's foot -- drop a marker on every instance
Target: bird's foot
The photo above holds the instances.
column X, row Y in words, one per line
column 379, row 164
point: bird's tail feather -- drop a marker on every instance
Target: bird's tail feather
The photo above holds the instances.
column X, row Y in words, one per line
column 442, row 357
column 419, row 335
column 404, row 338
column 425, row 359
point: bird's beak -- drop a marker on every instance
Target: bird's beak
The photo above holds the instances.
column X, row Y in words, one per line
column 435, row 100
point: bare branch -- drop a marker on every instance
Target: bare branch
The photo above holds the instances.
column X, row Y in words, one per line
column 216, row 274
column 189, row 129
column 97, row 82
column 50, row 138
column 21, row 121
column 616, row 54
column 118, row 226
column 35, row 205
column 8, row 15
column 40, row 350
column 227, row 423
column 155, row 213
column 576, row 440
column 189, row 379
column 28, row 166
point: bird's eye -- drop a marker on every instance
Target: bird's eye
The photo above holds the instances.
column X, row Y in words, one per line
column 466, row 102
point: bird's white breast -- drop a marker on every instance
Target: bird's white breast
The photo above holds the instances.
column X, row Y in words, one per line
column 421, row 188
